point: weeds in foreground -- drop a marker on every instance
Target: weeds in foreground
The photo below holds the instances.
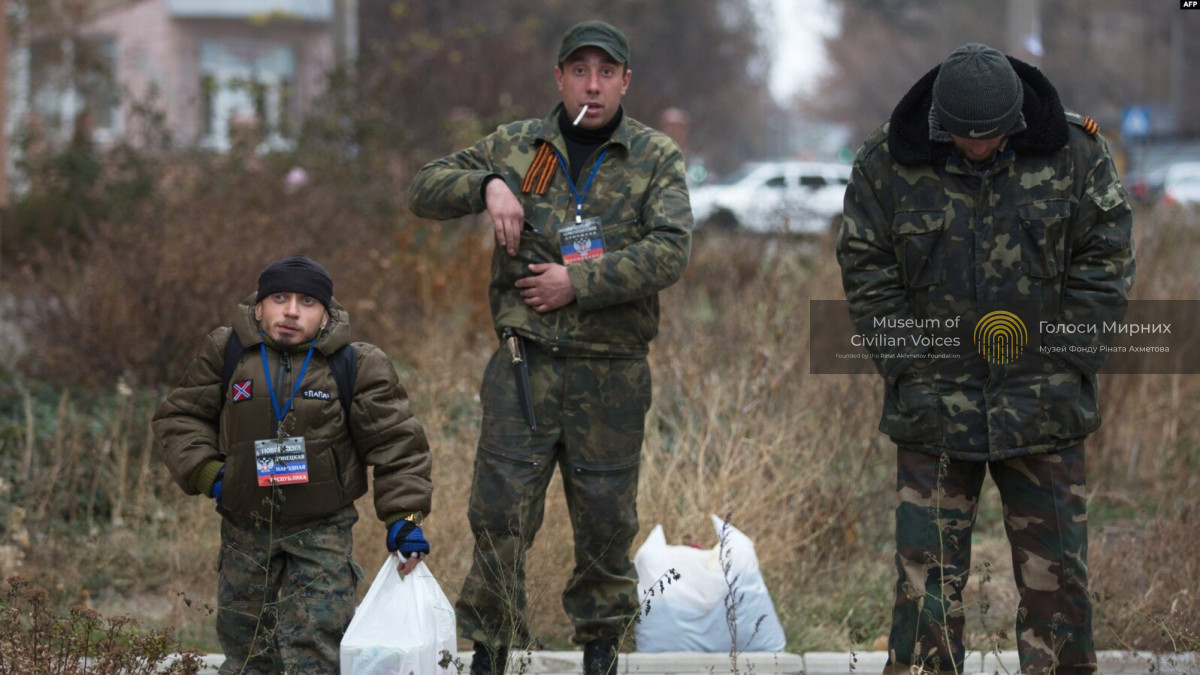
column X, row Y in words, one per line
column 734, row 597
column 944, row 624
column 1184, row 641
column 804, row 465
column 507, row 588
column 501, row 562
column 35, row 639
column 281, row 600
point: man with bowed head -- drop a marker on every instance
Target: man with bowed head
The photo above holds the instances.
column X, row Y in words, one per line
column 277, row 419
column 983, row 194
column 591, row 218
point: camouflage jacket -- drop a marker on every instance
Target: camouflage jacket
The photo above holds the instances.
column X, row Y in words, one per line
column 196, row 430
column 639, row 194
column 1042, row 230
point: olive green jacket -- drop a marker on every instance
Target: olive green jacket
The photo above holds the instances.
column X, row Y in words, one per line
column 1043, row 230
column 198, row 432
column 641, row 197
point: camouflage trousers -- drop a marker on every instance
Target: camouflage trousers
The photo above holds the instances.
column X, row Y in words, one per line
column 285, row 594
column 590, row 424
column 1045, row 518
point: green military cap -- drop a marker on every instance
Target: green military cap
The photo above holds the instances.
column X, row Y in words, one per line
column 595, row 34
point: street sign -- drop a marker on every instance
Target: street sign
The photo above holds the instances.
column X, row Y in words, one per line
column 1135, row 123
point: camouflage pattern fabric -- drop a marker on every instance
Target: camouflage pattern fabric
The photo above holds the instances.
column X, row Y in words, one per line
column 928, row 244
column 641, row 197
column 590, row 380
column 1045, row 517
column 927, row 237
column 285, row 594
column 591, row 415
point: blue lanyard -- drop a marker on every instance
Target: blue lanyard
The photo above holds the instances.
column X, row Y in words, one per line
column 587, row 186
column 271, row 388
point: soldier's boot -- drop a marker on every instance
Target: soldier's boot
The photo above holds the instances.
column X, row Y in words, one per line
column 489, row 660
column 600, row 657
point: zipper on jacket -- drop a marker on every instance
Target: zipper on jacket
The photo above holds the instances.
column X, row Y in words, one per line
column 284, row 386
column 982, row 253
column 994, row 416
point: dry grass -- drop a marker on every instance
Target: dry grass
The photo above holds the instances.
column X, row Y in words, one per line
column 738, row 426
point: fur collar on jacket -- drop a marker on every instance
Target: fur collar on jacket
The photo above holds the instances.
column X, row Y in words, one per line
column 1046, row 123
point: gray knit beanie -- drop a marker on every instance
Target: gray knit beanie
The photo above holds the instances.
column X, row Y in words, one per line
column 977, row 94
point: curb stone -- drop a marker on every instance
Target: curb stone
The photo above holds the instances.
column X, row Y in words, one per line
column 812, row 663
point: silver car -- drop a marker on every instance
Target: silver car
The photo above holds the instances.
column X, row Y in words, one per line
column 1181, row 185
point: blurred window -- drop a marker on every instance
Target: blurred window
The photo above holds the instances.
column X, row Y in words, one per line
column 73, row 87
column 247, row 83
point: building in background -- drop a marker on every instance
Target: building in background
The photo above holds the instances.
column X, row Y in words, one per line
column 210, row 67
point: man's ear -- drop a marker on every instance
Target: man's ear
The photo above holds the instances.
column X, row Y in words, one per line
column 258, row 312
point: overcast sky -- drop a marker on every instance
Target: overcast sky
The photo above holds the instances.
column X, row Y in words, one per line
column 795, row 36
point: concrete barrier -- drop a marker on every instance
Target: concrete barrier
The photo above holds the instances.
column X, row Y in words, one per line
column 809, row 663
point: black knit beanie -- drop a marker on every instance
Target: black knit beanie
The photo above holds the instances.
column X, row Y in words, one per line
column 977, row 94
column 296, row 274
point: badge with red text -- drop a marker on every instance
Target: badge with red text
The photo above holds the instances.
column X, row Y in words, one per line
column 281, row 463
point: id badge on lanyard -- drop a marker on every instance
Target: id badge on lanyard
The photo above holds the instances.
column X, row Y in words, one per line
column 584, row 240
column 281, row 461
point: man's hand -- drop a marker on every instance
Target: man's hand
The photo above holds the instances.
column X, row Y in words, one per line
column 406, row 540
column 506, row 212
column 548, row 288
column 404, row 565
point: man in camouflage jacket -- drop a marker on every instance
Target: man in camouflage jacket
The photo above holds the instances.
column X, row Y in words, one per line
column 290, row 520
column 592, row 220
column 982, row 194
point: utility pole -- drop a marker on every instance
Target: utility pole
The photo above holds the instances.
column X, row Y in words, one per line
column 345, row 33
column 1176, row 82
column 3, row 103
column 1023, row 30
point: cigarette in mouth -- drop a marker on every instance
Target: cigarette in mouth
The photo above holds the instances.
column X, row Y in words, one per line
column 580, row 116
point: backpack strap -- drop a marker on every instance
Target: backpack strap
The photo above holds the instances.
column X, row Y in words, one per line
column 343, row 363
column 233, row 354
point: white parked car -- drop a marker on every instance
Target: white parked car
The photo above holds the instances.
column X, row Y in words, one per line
column 775, row 196
column 1181, row 184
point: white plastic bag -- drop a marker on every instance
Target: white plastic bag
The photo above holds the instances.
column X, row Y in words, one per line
column 688, row 614
column 402, row 626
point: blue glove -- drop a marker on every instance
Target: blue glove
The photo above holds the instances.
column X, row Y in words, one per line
column 404, row 536
column 217, row 485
